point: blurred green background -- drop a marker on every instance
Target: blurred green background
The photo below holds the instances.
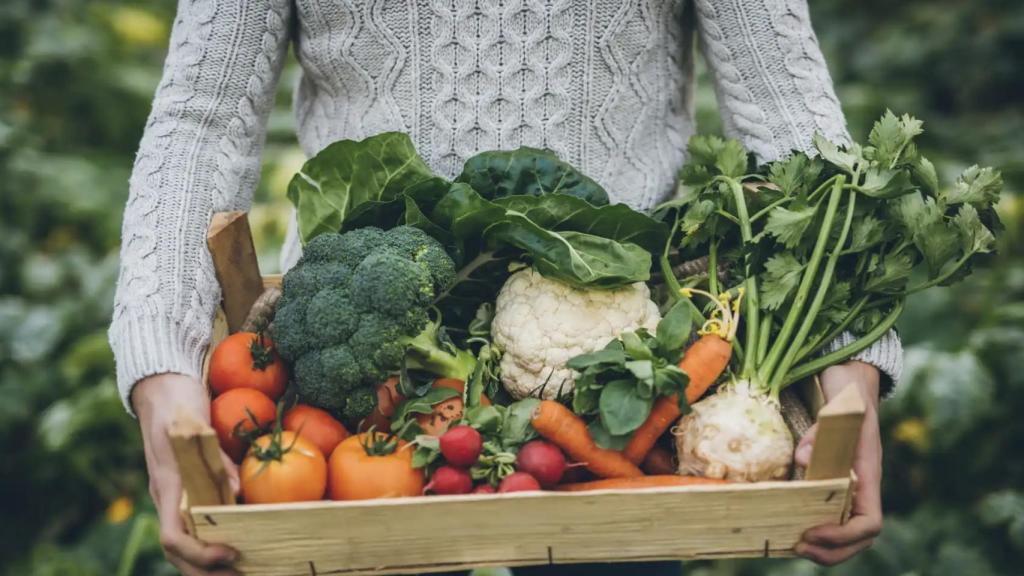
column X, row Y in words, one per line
column 76, row 79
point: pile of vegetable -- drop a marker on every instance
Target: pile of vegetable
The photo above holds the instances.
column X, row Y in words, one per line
column 512, row 330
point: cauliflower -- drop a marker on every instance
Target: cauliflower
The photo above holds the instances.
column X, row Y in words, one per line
column 540, row 324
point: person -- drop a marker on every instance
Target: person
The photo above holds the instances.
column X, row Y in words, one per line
column 606, row 84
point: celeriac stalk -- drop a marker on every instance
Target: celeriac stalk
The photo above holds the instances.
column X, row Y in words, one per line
column 810, row 272
column 819, row 297
column 753, row 301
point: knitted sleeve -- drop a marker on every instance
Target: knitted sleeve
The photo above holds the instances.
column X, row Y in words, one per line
column 773, row 88
column 774, row 93
column 200, row 153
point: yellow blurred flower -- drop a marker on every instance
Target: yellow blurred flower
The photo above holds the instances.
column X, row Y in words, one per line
column 913, row 432
column 120, row 510
column 138, row 26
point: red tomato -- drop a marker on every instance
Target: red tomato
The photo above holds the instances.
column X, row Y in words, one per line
column 237, row 409
column 315, row 425
column 245, row 360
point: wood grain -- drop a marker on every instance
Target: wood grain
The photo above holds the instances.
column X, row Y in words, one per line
column 835, row 444
column 380, row 537
column 234, row 260
column 203, row 476
column 386, row 537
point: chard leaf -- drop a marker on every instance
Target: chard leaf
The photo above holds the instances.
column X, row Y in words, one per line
column 530, row 172
column 576, row 258
column 780, row 278
column 890, row 274
column 616, row 222
column 976, row 186
column 832, row 154
column 349, row 173
column 865, row 233
column 622, row 409
column 788, row 226
column 891, row 135
column 974, row 236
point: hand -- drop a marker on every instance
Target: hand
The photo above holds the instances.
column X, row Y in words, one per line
column 156, row 400
column 832, row 544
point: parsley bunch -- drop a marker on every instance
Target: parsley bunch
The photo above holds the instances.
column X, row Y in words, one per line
column 826, row 243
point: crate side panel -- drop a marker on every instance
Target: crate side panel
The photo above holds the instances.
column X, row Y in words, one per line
column 399, row 536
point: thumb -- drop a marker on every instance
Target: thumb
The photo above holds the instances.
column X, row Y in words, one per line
column 802, row 456
column 232, row 470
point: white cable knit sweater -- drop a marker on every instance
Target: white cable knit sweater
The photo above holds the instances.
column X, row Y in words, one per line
column 606, row 84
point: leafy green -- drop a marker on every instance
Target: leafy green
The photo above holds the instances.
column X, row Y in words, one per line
column 620, row 382
column 528, row 171
column 349, row 173
column 788, row 225
column 827, row 244
column 576, row 258
column 782, row 273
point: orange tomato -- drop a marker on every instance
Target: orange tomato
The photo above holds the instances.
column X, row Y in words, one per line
column 315, row 425
column 245, row 360
column 284, row 469
column 360, row 474
column 232, row 409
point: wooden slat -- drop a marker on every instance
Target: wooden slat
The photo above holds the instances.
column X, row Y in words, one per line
column 234, row 260
column 203, row 476
column 368, row 537
column 839, row 424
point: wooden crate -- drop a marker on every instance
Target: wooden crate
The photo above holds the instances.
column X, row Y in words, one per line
column 441, row 533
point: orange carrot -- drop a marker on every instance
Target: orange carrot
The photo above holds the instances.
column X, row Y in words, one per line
column 659, row 461
column 566, row 430
column 659, row 481
column 704, row 362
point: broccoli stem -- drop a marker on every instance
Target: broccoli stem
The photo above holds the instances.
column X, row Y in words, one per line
column 425, row 353
column 819, row 297
column 846, row 352
column 810, row 273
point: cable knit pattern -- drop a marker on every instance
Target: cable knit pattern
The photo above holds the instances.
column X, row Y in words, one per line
column 605, row 84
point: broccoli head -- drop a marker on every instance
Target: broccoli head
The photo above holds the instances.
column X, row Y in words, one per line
column 354, row 306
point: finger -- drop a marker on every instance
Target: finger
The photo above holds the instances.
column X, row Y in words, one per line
column 176, row 542
column 802, row 456
column 196, row 553
column 187, row 569
column 858, row 529
column 831, row 556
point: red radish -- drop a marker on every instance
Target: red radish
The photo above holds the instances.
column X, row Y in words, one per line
column 461, row 446
column 518, row 482
column 543, row 460
column 449, row 480
column 484, row 489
